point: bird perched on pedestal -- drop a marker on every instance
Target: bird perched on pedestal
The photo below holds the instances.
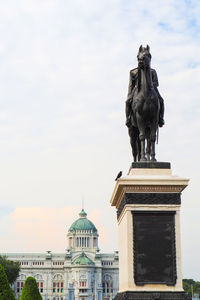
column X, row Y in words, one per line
column 118, row 175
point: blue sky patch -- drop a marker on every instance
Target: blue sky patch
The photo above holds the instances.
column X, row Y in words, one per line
column 165, row 26
column 5, row 210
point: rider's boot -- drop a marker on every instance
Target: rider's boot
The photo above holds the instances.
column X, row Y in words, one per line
column 161, row 121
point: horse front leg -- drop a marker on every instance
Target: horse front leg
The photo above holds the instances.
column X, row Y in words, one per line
column 142, row 143
column 133, row 140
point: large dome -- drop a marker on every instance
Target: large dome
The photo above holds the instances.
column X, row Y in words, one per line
column 82, row 223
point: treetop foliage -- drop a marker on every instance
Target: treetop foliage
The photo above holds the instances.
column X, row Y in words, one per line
column 30, row 290
column 191, row 287
column 12, row 268
column 6, row 292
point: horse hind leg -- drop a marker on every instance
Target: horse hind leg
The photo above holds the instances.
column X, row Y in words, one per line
column 148, row 150
column 138, row 148
column 152, row 147
column 142, row 142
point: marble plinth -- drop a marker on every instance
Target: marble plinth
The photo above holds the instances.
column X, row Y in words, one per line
column 148, row 202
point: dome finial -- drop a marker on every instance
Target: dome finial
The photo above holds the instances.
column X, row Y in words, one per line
column 83, row 214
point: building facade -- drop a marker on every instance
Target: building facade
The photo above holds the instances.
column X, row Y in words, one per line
column 81, row 273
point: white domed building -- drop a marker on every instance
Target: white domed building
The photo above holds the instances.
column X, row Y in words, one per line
column 81, row 273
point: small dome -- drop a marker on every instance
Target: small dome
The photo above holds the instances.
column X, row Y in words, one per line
column 83, row 259
column 82, row 223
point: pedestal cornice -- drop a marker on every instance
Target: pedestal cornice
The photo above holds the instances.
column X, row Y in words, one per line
column 147, row 181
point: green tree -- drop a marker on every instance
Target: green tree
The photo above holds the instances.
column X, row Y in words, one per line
column 6, row 292
column 191, row 287
column 12, row 268
column 30, row 290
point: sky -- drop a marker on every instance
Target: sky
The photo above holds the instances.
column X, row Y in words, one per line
column 64, row 71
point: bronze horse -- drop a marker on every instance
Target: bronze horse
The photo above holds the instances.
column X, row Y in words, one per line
column 144, row 106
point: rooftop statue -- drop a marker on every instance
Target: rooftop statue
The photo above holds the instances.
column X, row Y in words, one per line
column 144, row 108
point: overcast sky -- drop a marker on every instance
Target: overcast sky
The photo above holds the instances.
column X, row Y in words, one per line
column 64, row 68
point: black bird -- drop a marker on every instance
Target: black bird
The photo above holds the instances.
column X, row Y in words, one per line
column 118, row 175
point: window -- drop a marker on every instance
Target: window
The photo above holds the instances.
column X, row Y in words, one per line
column 40, row 283
column 54, row 287
column 107, row 284
column 95, row 242
column 107, row 263
column 58, row 284
column 19, row 286
column 23, row 263
column 37, row 263
column 92, row 286
column 82, row 291
column 83, row 283
column 58, row 263
column 83, row 242
column 70, row 242
column 103, row 285
column 58, row 287
column 20, row 282
column 40, row 286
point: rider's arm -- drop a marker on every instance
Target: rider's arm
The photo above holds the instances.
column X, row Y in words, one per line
column 155, row 78
column 156, row 84
column 129, row 98
column 131, row 85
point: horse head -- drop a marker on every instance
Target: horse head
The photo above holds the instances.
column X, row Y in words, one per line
column 144, row 57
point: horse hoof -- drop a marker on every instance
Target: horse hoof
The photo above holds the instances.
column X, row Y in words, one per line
column 153, row 159
column 143, row 159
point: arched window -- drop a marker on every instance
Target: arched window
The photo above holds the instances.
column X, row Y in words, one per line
column 20, row 282
column 107, row 284
column 82, row 281
column 40, row 282
column 58, row 284
column 83, row 285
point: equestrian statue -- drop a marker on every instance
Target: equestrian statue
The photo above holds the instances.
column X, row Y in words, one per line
column 144, row 108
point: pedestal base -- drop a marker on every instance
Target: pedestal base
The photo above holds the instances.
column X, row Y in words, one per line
column 129, row 295
column 148, row 202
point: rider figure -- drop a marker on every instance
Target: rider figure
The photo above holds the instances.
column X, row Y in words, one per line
column 133, row 83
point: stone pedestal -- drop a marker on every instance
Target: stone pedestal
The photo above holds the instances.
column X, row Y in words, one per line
column 148, row 202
